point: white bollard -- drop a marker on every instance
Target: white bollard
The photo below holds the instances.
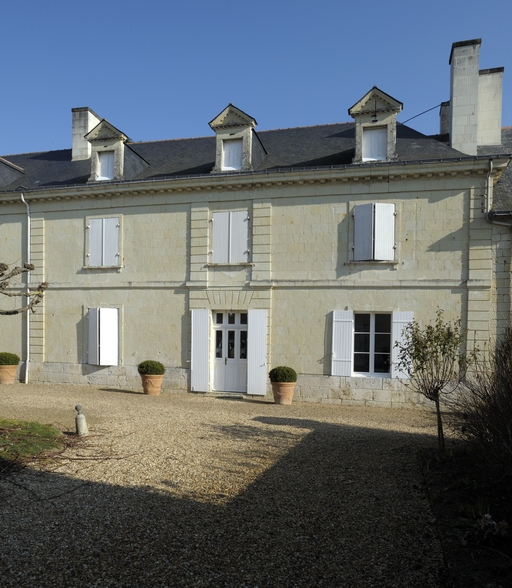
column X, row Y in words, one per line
column 81, row 423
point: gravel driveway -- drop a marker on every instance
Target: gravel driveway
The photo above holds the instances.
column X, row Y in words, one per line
column 194, row 490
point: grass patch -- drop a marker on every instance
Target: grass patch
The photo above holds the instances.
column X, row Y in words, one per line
column 21, row 440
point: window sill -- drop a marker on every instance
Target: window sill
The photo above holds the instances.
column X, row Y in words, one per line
column 374, row 262
column 102, row 267
column 239, row 264
column 365, row 375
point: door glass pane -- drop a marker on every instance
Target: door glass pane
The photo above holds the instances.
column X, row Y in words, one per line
column 382, row 363
column 218, row 344
column 219, row 318
column 361, row 362
column 231, row 344
column 243, row 318
column 362, row 323
column 243, row 344
column 231, row 318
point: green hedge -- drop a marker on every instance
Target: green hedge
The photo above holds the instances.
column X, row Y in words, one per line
column 282, row 373
column 151, row 368
column 9, row 358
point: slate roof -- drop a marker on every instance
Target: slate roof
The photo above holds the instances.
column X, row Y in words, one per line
column 297, row 148
column 503, row 191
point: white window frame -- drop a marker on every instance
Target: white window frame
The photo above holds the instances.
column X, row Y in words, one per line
column 374, row 232
column 232, row 154
column 375, row 144
column 371, row 352
column 106, row 161
column 103, row 336
column 343, row 342
column 103, row 241
column 230, row 237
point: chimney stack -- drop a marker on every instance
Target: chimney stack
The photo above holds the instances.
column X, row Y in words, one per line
column 83, row 120
column 474, row 110
column 464, row 61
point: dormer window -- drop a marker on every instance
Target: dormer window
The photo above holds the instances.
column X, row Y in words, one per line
column 105, row 165
column 375, row 143
column 238, row 147
column 232, row 154
column 112, row 158
column 375, row 116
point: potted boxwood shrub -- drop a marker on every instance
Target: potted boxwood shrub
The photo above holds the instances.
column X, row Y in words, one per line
column 283, row 380
column 152, row 374
column 8, row 366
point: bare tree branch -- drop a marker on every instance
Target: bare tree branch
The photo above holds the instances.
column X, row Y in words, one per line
column 34, row 295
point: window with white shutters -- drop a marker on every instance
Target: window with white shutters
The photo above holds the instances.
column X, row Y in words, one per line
column 374, row 232
column 105, row 165
column 232, row 155
column 230, row 237
column 375, row 144
column 103, row 239
column 103, row 339
column 363, row 344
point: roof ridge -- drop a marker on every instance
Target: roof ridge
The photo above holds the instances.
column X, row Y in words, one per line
column 171, row 140
column 307, row 127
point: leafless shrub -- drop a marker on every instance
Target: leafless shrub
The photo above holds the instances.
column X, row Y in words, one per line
column 482, row 412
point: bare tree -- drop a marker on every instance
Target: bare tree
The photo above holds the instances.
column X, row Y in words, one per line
column 34, row 295
column 434, row 360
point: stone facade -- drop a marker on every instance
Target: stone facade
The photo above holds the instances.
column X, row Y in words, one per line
column 300, row 270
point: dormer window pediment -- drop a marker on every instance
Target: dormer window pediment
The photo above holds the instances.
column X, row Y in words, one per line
column 238, row 148
column 375, row 115
column 104, row 131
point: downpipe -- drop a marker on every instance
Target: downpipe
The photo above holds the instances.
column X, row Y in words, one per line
column 27, row 317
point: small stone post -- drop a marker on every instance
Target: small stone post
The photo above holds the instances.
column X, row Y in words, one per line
column 81, row 423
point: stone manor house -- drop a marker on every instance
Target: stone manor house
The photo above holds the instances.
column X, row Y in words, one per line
column 225, row 255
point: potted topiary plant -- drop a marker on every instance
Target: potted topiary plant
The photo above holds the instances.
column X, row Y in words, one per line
column 8, row 366
column 152, row 374
column 283, row 380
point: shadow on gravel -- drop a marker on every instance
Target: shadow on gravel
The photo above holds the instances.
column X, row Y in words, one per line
column 342, row 508
column 121, row 390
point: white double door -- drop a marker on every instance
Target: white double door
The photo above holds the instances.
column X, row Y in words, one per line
column 230, row 361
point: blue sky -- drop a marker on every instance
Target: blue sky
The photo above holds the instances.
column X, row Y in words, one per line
column 163, row 69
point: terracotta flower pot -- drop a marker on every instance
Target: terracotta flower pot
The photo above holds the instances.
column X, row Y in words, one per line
column 152, row 384
column 283, row 392
column 7, row 374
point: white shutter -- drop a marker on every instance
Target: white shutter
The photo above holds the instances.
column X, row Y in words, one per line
column 400, row 321
column 93, row 339
column 232, row 154
column 220, row 237
column 384, row 232
column 109, row 336
column 239, row 243
column 110, row 242
column 96, row 242
column 257, row 352
column 103, row 341
column 375, row 144
column 363, row 232
column 200, row 345
column 342, row 336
